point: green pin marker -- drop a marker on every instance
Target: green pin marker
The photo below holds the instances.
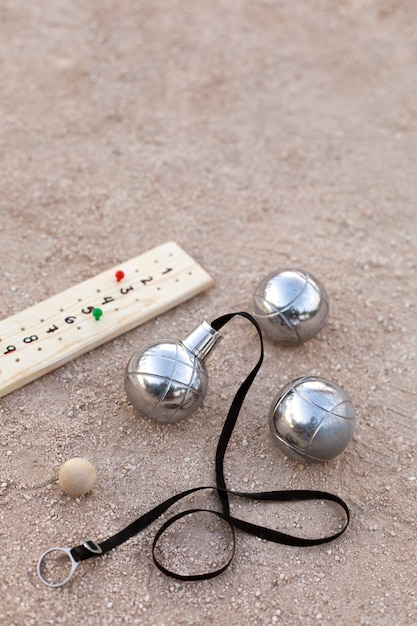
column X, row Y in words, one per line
column 97, row 313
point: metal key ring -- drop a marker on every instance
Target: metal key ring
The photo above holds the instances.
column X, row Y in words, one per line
column 74, row 565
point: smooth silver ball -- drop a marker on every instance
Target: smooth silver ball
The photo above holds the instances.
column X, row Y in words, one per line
column 291, row 306
column 312, row 419
column 165, row 381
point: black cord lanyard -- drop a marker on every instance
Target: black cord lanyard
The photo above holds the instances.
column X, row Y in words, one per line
column 90, row 549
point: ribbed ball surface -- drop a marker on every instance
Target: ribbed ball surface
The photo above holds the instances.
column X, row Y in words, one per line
column 291, row 306
column 165, row 381
column 312, row 419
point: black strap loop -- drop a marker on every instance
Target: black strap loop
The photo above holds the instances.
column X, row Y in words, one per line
column 81, row 552
column 204, row 575
column 235, row 407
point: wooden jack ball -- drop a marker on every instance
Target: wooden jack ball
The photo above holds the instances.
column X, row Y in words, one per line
column 77, row 476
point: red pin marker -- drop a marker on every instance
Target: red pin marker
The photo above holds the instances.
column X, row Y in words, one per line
column 119, row 275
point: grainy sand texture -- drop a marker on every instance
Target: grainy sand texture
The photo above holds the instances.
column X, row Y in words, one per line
column 256, row 134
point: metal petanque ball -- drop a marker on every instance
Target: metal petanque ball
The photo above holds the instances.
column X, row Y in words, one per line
column 167, row 381
column 291, row 306
column 312, row 419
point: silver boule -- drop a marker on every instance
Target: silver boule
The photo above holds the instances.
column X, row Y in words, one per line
column 167, row 380
column 291, row 306
column 312, row 419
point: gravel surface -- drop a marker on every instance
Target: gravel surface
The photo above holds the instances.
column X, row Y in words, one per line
column 257, row 135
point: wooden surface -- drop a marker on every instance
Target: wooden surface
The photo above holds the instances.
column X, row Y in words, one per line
column 61, row 328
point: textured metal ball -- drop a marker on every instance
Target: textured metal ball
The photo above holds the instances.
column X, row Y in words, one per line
column 312, row 419
column 291, row 306
column 165, row 381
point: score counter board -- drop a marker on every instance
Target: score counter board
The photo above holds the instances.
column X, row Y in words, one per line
column 69, row 324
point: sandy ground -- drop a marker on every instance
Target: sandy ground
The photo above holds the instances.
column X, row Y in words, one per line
column 255, row 134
